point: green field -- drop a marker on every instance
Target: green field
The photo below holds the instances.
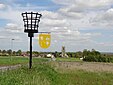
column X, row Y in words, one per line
column 7, row 60
column 46, row 73
column 68, row 59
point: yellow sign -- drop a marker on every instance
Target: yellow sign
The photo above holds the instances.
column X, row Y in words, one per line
column 44, row 40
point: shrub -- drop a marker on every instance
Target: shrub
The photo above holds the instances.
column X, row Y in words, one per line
column 89, row 58
column 98, row 59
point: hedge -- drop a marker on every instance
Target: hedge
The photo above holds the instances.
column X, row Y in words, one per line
column 98, row 59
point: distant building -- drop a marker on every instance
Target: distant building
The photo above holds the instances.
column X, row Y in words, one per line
column 51, row 56
column 24, row 54
column 63, row 54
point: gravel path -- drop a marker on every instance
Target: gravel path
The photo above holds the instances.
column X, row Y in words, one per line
column 4, row 68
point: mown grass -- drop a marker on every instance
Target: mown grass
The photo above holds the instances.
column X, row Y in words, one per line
column 68, row 59
column 47, row 74
column 8, row 60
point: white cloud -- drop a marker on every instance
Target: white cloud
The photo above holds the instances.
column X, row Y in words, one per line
column 88, row 14
column 90, row 4
column 86, row 3
column 71, row 13
column 64, row 2
column 50, row 15
column 2, row 6
column 51, row 21
column 3, row 37
column 13, row 27
column 54, row 23
column 72, row 35
column 103, row 19
column 11, row 14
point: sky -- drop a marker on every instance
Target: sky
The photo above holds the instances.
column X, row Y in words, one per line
column 75, row 24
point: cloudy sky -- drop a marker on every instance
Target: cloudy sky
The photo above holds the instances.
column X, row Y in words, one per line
column 75, row 24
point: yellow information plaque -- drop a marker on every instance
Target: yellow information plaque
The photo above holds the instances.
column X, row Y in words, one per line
column 44, row 40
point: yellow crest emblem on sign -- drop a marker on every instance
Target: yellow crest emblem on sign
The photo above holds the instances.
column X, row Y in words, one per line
column 44, row 40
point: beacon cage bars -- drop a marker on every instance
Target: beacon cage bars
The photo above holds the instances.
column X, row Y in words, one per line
column 31, row 22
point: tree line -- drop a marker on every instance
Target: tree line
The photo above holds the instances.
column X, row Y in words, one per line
column 10, row 52
column 87, row 55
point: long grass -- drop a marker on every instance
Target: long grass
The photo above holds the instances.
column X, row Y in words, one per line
column 47, row 74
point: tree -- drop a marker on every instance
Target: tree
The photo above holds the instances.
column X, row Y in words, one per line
column 28, row 52
column 79, row 54
column 4, row 51
column 85, row 52
column 19, row 52
column 56, row 54
column 73, row 54
column 35, row 53
column 69, row 54
column 9, row 51
column 96, row 53
column 14, row 53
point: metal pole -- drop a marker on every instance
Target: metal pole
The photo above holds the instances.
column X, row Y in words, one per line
column 11, row 48
column 30, row 59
